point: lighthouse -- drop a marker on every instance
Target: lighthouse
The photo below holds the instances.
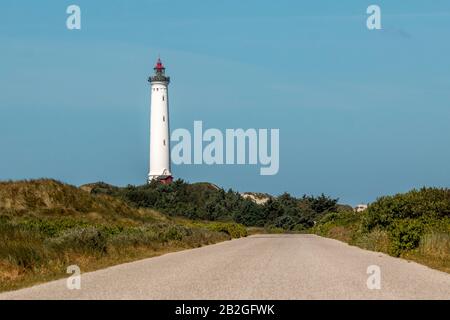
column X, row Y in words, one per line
column 159, row 126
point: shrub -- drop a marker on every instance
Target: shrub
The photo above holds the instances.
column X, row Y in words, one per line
column 345, row 218
column 339, row 225
column 286, row 222
column 200, row 237
column 50, row 227
column 80, row 239
column 426, row 203
column 375, row 240
column 299, row 227
column 273, row 229
column 234, row 230
column 405, row 235
column 133, row 237
column 174, row 232
column 150, row 234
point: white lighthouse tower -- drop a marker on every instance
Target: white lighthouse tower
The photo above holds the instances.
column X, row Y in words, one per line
column 159, row 126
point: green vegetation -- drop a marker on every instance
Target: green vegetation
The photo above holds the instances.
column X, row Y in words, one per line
column 414, row 225
column 204, row 201
column 46, row 226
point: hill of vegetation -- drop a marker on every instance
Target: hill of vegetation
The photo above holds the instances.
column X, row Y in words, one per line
column 46, row 225
column 204, row 201
column 414, row 225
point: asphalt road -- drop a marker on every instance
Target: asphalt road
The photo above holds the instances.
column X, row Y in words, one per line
column 257, row 267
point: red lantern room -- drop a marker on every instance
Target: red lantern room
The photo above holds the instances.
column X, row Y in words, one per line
column 160, row 73
column 159, row 67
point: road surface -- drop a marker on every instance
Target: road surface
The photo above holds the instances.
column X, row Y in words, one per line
column 256, row 267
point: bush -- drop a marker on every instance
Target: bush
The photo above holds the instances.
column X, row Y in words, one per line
column 405, row 235
column 150, row 234
column 273, row 229
column 175, row 233
column 345, row 218
column 338, row 225
column 80, row 239
column 375, row 240
column 407, row 217
column 299, row 228
column 200, row 237
column 133, row 237
column 50, row 227
column 426, row 203
column 234, row 230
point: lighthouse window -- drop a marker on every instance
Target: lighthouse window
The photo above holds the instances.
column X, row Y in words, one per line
column 164, row 142
column 163, row 98
column 164, row 118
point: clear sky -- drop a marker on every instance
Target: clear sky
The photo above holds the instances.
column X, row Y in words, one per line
column 361, row 113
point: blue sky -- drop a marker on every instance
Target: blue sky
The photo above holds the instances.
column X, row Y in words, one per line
column 361, row 113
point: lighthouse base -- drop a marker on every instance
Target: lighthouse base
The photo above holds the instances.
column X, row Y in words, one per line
column 161, row 179
column 166, row 180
